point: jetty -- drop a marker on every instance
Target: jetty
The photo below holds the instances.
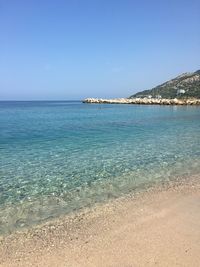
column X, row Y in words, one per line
column 144, row 101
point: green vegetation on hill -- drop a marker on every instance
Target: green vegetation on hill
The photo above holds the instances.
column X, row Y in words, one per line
column 186, row 85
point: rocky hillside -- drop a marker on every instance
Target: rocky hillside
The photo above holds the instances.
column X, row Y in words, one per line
column 186, row 85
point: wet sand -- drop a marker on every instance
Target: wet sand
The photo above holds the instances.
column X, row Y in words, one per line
column 159, row 227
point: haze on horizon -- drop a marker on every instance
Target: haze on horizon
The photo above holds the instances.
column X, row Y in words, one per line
column 94, row 48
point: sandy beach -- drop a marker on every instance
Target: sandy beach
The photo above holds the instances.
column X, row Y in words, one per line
column 159, row 227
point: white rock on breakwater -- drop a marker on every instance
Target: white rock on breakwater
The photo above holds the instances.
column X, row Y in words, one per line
column 144, row 101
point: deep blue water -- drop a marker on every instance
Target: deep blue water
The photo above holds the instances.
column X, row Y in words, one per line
column 56, row 157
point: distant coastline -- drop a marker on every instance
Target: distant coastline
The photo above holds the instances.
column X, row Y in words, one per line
column 144, row 101
column 181, row 90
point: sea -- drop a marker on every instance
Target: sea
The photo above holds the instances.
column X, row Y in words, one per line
column 57, row 157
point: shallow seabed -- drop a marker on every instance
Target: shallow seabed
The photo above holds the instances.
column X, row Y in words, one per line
column 57, row 157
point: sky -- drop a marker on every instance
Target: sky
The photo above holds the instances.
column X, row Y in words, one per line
column 73, row 49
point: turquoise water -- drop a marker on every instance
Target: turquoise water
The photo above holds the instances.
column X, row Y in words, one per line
column 56, row 157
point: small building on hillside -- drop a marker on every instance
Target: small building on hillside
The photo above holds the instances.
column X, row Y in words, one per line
column 145, row 96
column 180, row 91
column 158, row 96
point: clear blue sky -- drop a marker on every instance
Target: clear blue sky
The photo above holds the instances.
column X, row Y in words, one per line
column 72, row 49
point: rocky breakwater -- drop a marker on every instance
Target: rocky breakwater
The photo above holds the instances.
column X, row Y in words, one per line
column 143, row 101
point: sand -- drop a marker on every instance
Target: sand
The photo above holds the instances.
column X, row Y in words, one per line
column 159, row 227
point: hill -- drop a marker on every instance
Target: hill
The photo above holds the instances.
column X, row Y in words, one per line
column 186, row 85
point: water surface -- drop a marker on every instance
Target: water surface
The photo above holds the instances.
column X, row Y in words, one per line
column 56, row 157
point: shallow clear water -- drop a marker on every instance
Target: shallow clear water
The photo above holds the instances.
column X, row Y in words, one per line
column 56, row 157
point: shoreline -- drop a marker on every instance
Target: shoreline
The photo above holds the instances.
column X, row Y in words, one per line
column 128, row 231
column 143, row 101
